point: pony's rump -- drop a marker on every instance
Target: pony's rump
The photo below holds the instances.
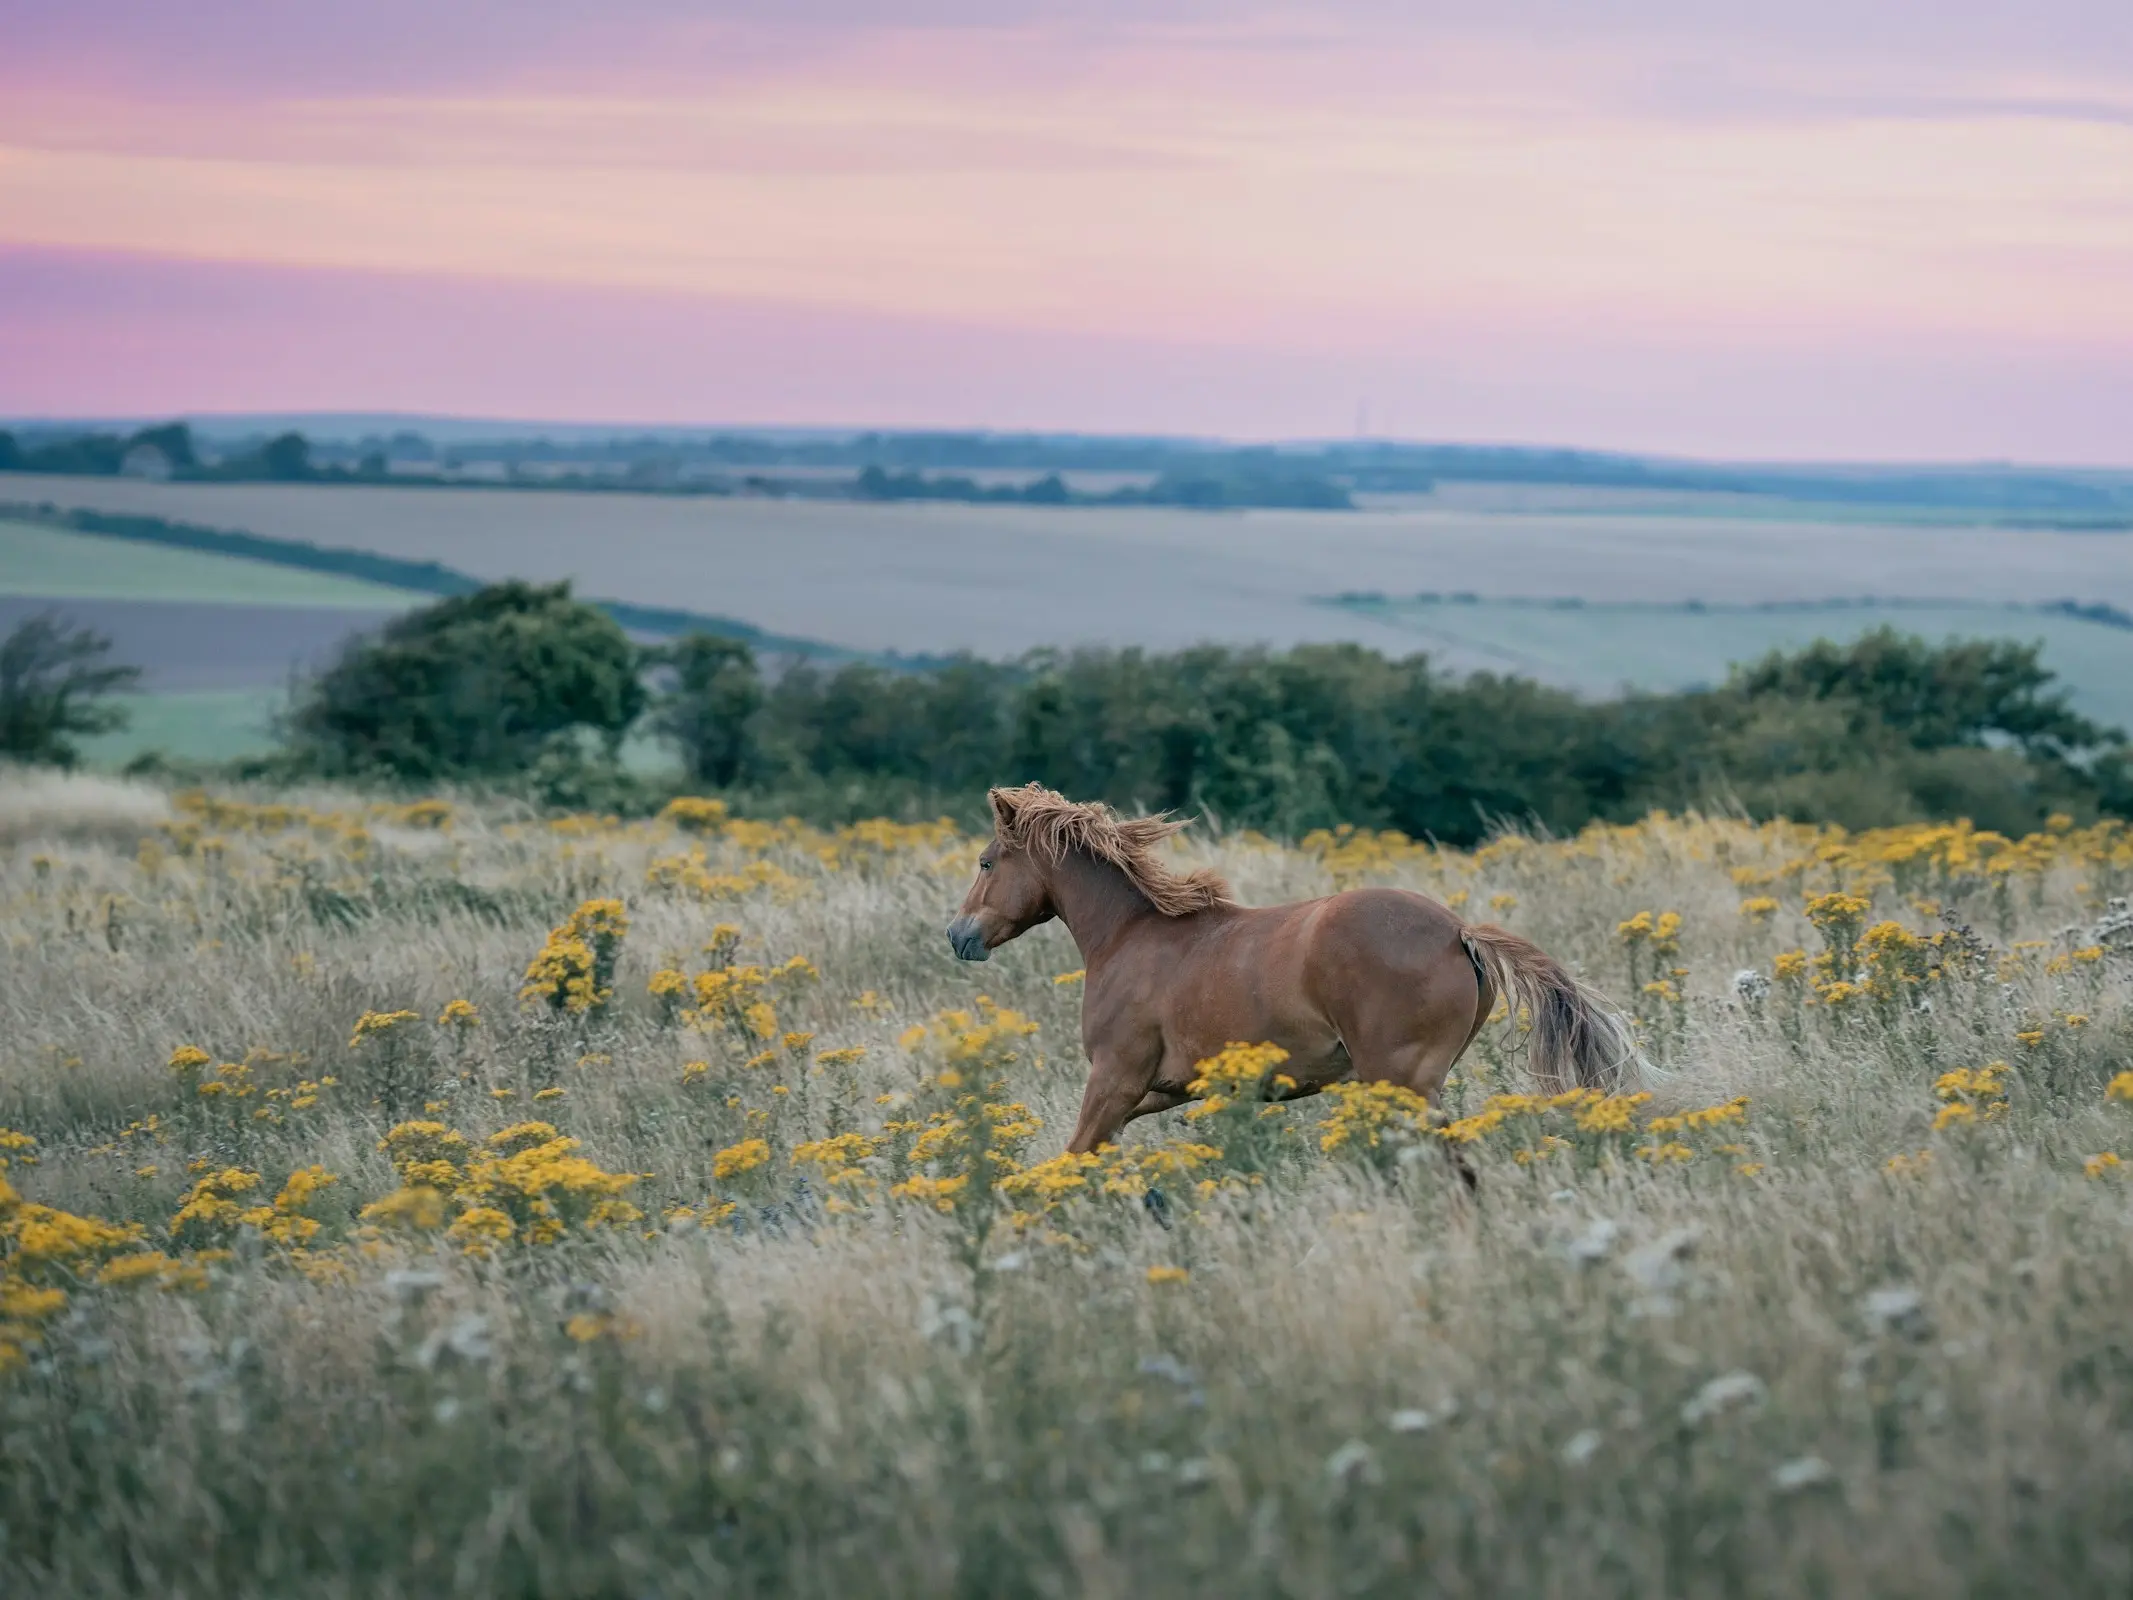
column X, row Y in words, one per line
column 1579, row 1040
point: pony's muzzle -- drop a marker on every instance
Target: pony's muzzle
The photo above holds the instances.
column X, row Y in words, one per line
column 967, row 940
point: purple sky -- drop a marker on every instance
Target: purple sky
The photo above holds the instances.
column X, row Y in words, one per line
column 1836, row 230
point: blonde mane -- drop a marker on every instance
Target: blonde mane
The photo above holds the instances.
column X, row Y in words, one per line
column 1047, row 823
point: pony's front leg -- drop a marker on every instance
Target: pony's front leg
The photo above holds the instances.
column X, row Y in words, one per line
column 1113, row 1097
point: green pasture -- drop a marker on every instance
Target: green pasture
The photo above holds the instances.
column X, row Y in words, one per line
column 208, row 725
column 41, row 563
column 228, row 724
column 1603, row 648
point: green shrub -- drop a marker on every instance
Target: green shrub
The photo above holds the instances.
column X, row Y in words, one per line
column 56, row 681
column 477, row 685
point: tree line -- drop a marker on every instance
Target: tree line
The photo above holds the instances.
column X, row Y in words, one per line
column 522, row 679
column 1228, row 481
column 525, row 686
column 1209, row 488
column 166, row 450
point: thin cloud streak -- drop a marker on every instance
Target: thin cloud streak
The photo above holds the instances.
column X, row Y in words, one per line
column 202, row 337
column 1355, row 192
column 254, row 49
column 1196, row 218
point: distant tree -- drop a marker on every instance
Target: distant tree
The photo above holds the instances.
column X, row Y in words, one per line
column 83, row 454
column 286, row 456
column 715, row 691
column 174, row 439
column 476, row 685
column 10, row 452
column 1215, row 491
column 1961, row 693
column 56, row 681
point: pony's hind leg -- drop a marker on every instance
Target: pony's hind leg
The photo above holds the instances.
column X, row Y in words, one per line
column 1160, row 1099
column 1423, row 1068
column 1416, row 1046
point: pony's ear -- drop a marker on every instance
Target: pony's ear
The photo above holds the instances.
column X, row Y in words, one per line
column 1005, row 803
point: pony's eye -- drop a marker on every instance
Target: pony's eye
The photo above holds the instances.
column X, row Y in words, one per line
column 984, row 866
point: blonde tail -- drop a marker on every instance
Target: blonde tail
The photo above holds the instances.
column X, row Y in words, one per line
column 1579, row 1040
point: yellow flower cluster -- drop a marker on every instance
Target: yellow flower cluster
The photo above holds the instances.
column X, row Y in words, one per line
column 858, row 845
column 232, row 1084
column 1660, row 932
column 379, row 1024
column 524, row 1184
column 868, row 846
column 842, row 1162
column 692, row 873
column 1366, row 1115
column 1970, row 1095
column 694, row 814
column 1885, row 963
column 737, row 1159
column 1354, row 855
column 736, row 999
column 1956, row 856
column 985, row 1039
column 1892, row 961
column 1110, row 1171
column 1672, row 1138
column 973, row 1138
column 46, row 1252
column 964, row 1134
column 218, row 1204
column 16, row 1147
column 1837, row 916
column 1589, row 1110
column 1246, row 1072
column 1950, row 858
column 575, row 971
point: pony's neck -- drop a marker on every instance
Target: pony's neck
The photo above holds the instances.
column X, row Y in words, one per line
column 1096, row 902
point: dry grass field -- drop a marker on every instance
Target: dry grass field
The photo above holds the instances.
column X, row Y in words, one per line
column 433, row 1200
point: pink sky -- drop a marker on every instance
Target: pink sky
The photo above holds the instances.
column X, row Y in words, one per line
column 1880, row 229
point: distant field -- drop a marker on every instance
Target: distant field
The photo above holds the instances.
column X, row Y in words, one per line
column 1001, row 579
column 48, row 564
column 208, row 725
column 998, row 579
column 1607, row 647
column 187, row 645
column 225, row 724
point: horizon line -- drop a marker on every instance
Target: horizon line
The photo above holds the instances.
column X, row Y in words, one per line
column 528, row 427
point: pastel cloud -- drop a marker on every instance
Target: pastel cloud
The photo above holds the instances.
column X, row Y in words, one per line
column 1358, row 199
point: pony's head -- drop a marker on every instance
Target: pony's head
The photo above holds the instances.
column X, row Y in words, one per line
column 1033, row 830
column 1010, row 896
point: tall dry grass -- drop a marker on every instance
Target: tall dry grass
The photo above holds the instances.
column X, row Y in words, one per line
column 1748, row 1357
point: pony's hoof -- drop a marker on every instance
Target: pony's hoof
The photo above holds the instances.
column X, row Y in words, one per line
column 1158, row 1206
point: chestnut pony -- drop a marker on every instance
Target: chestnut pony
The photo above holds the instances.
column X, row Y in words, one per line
column 1379, row 985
